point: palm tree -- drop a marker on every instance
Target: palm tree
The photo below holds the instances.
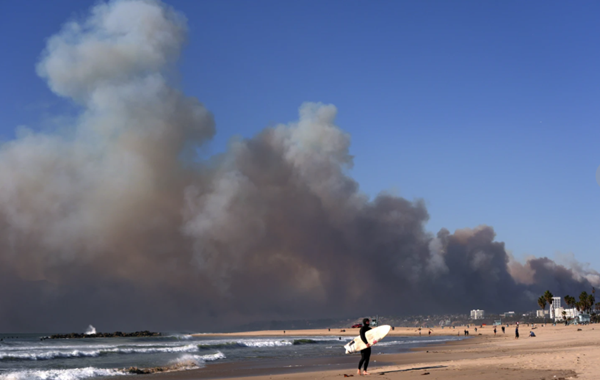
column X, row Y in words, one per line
column 570, row 301
column 542, row 303
column 590, row 302
column 584, row 301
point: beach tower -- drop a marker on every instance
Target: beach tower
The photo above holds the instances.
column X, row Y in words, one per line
column 375, row 321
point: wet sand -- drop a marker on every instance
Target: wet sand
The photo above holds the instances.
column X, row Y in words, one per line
column 398, row 331
column 558, row 352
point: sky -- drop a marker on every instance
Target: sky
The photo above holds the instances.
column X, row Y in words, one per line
column 485, row 111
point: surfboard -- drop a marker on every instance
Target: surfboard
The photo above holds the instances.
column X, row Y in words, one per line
column 373, row 335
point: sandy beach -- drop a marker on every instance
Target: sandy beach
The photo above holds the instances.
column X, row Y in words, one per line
column 558, row 352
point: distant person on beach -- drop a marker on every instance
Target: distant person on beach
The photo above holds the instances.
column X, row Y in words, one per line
column 503, row 330
column 517, row 332
column 365, row 355
column 494, row 330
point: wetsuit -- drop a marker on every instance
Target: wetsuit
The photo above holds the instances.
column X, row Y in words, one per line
column 365, row 355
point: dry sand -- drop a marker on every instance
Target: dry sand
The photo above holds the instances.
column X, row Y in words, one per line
column 557, row 352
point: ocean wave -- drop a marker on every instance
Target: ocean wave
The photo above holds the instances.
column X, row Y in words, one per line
column 183, row 336
column 56, row 354
column 183, row 363
column 198, row 360
column 84, row 347
column 48, row 355
column 152, row 350
column 175, row 336
column 61, row 374
column 67, row 352
column 244, row 344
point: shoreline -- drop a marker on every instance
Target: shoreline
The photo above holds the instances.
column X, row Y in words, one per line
column 297, row 366
column 398, row 331
column 558, row 352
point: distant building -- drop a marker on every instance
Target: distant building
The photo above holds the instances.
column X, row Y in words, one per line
column 508, row 314
column 569, row 314
column 542, row 313
column 554, row 306
column 477, row 314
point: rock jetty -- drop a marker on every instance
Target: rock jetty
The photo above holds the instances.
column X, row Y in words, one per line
column 116, row 334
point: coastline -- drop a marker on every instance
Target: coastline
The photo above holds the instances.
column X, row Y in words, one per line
column 558, row 352
column 398, row 331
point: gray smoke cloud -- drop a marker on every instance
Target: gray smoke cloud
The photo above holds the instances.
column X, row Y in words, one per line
column 116, row 222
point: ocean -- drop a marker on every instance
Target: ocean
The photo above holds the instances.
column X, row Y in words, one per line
column 25, row 356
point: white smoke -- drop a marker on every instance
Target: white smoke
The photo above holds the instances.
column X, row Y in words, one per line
column 90, row 330
column 75, row 193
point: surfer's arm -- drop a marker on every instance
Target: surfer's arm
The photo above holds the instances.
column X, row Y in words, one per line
column 363, row 337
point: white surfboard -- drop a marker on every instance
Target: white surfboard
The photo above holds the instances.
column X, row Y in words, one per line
column 373, row 335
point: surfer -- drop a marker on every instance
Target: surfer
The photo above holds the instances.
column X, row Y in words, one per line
column 365, row 354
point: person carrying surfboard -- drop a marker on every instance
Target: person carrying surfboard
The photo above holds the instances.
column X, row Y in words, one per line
column 365, row 355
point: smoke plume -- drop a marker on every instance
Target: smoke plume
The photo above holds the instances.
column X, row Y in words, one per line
column 116, row 220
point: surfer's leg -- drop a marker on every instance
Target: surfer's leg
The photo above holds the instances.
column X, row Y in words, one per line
column 364, row 359
column 367, row 358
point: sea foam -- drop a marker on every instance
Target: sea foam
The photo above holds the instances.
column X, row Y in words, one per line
column 62, row 354
column 61, row 374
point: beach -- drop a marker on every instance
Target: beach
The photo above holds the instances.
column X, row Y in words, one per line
column 557, row 352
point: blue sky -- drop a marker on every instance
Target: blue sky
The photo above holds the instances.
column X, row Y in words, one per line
column 486, row 110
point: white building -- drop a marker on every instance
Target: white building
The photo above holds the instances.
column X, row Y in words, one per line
column 554, row 307
column 569, row 314
column 477, row 314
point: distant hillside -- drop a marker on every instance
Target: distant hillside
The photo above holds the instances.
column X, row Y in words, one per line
column 294, row 325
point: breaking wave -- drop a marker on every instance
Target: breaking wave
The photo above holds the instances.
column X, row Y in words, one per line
column 55, row 354
column 62, row 374
column 185, row 362
column 261, row 343
column 198, row 360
